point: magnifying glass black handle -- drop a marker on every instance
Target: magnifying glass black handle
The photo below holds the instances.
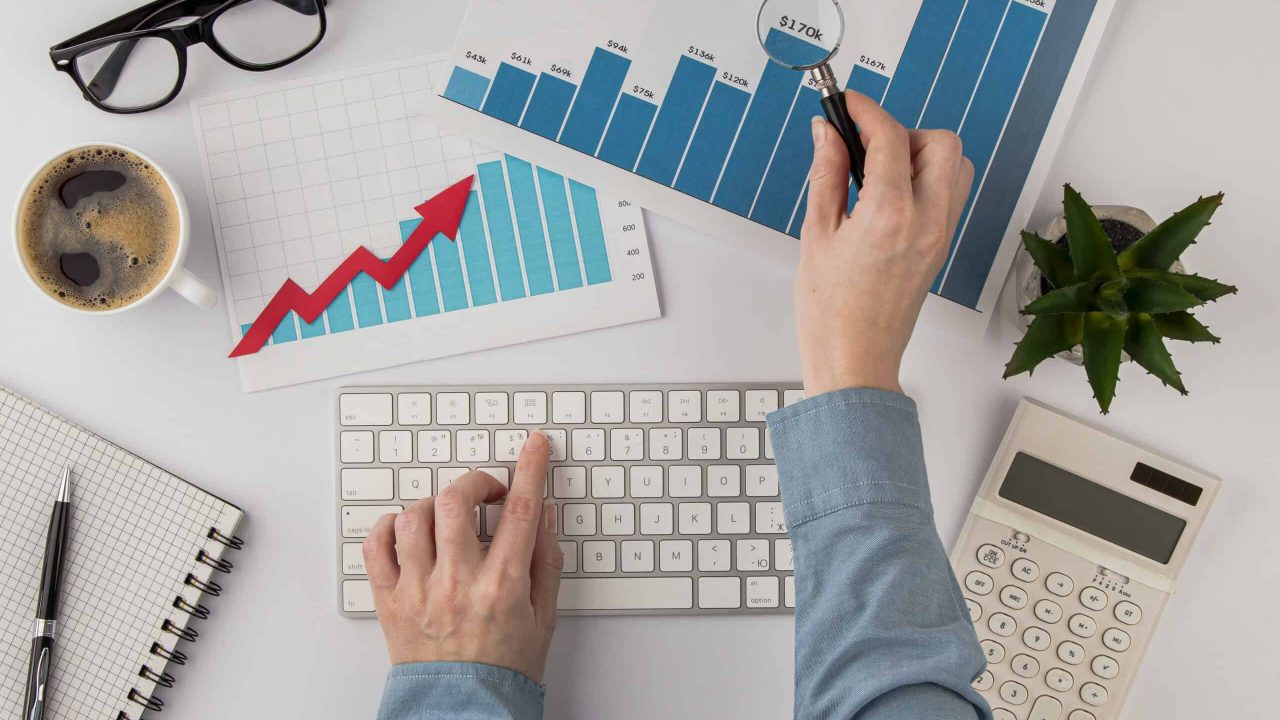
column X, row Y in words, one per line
column 838, row 115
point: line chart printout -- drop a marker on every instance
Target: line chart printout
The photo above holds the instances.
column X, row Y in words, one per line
column 676, row 104
column 302, row 174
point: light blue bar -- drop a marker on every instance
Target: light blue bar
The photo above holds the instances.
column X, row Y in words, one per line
column 963, row 66
column 287, row 330
column 339, row 313
column 595, row 101
column 422, row 284
column 466, row 87
column 524, row 195
column 368, row 309
column 627, row 131
column 673, row 129
column 502, row 234
column 312, row 329
column 550, row 103
column 509, row 94
column 453, row 289
column 396, row 302
column 921, row 59
column 782, row 185
column 595, row 258
column 873, row 85
column 711, row 141
column 475, row 250
column 564, row 250
column 244, row 330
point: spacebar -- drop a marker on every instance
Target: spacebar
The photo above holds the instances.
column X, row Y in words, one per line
column 669, row 593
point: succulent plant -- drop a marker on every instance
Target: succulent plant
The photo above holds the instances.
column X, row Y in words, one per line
column 1116, row 303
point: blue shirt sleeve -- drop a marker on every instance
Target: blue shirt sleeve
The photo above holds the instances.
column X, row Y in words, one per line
column 882, row 632
column 459, row 691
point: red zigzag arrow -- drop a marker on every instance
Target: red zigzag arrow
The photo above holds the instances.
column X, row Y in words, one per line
column 441, row 214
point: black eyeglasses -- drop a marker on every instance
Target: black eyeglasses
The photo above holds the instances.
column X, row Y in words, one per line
column 138, row 61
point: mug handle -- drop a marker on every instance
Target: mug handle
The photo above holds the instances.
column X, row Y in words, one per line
column 193, row 289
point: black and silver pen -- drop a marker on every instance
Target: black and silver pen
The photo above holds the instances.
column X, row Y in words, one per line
column 55, row 551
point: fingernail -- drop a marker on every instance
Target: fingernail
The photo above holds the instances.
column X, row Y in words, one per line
column 537, row 440
column 819, row 131
column 548, row 516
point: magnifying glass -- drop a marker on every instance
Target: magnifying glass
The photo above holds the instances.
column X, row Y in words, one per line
column 805, row 35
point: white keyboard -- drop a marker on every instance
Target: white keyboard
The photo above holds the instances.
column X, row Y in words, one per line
column 667, row 495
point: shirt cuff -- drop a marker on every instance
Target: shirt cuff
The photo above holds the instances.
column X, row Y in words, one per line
column 846, row 448
column 459, row 691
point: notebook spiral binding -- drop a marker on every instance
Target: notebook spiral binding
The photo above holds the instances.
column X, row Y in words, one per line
column 182, row 632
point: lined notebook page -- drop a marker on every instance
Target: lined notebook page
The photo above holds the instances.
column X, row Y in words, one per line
column 135, row 534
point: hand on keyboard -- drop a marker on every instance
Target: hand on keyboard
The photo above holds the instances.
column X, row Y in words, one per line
column 863, row 277
column 441, row 596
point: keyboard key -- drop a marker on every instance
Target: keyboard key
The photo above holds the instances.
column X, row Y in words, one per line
column 530, row 408
column 658, row 593
column 769, row 519
column 446, row 476
column 644, row 406
column 435, row 446
column 791, row 397
column 675, row 555
column 395, row 446
column 568, row 408
column 666, row 444
column 1059, row 584
column 1014, row 693
column 713, row 555
column 646, row 481
column 366, row 484
column 559, row 440
column 768, row 445
column 991, row 556
column 626, row 444
column 1093, row 694
column 783, row 558
column 1116, row 639
column 364, row 408
column 353, row 559
column 760, row 403
column 1002, row 624
column 704, row 443
column 753, row 555
column 684, row 406
column 599, row 556
column 569, row 549
column 978, row 583
column 358, row 520
column 473, row 446
column 357, row 446
column 1013, row 596
column 607, row 482
column 762, row 592
column 1025, row 666
column 1025, row 570
column 587, row 444
column 569, row 482
column 1046, row 707
column 993, row 650
column 637, row 556
column 789, row 591
column 1059, row 679
column 695, row 518
column 501, row 474
column 579, row 519
column 1070, row 652
column 492, row 516
column 1082, row 625
column 413, row 408
column 606, row 407
column 762, row 481
column 724, row 481
column 507, row 444
column 722, row 406
column 720, row 593
column 1094, row 598
column 617, row 519
column 656, row 519
column 742, row 443
column 1105, row 667
column 357, row 596
column 1128, row 613
column 1037, row 638
column 733, row 518
column 453, row 409
column 415, row 483
column 492, row 408
column 684, row 481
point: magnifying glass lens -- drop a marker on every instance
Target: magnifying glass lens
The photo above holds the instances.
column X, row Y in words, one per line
column 800, row 34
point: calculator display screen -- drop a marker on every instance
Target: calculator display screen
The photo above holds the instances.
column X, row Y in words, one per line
column 1088, row 506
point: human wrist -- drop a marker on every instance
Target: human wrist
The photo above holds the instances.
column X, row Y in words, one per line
column 875, row 376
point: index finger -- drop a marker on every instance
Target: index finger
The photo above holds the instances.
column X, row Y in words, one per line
column 887, row 143
column 522, row 511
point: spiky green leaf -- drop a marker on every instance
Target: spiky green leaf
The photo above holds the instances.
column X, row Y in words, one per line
column 1155, row 297
column 1110, row 298
column 1103, row 344
column 1183, row 326
column 1202, row 287
column 1076, row 298
column 1091, row 253
column 1052, row 259
column 1161, row 247
column 1047, row 336
column 1146, row 347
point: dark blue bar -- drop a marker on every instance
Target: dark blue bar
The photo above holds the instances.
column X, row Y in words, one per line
column 993, row 211
column 475, row 252
column 921, row 58
column 509, row 94
column 550, row 103
column 422, row 283
column 524, row 196
column 964, row 63
column 873, row 85
column 339, row 313
column 466, row 87
column 674, row 126
column 712, row 140
column 596, row 97
column 627, row 131
column 760, row 132
column 781, row 189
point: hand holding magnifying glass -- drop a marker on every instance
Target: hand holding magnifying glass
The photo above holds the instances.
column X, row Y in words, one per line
column 805, row 35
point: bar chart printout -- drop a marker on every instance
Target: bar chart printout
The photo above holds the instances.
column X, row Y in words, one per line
column 676, row 103
column 300, row 175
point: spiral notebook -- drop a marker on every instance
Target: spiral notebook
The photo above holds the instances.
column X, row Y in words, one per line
column 144, row 549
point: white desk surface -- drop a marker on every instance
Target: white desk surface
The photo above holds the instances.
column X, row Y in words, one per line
column 1181, row 103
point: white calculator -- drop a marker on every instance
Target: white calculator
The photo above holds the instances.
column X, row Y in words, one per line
column 1069, row 554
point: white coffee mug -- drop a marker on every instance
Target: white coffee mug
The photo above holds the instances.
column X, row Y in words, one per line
column 177, row 278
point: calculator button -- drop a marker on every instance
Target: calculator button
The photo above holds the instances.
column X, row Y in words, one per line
column 1128, row 613
column 978, row 582
column 1093, row 693
column 1037, row 638
column 1002, row 714
column 1059, row 584
column 1082, row 625
column 1059, row 679
column 993, row 650
column 1116, row 639
column 1070, row 653
column 975, row 610
column 1025, row 666
column 1093, row 598
column 1105, row 667
column 1046, row 707
column 1049, row 611
column 1081, row 715
column 991, row 556
column 1025, row 570
column 983, row 682
column 1014, row 693
column 1002, row 624
column 1013, row 596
